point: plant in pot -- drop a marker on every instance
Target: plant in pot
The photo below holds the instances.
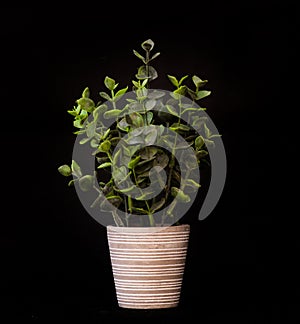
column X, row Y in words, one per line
column 136, row 169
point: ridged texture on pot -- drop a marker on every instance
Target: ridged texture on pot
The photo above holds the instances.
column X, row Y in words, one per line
column 148, row 265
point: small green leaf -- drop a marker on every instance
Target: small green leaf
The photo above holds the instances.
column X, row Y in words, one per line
column 86, row 93
column 144, row 73
column 86, row 104
column 105, row 95
column 127, row 190
column 150, row 104
column 181, row 90
column 150, row 135
column 76, row 170
column 207, row 131
column 78, row 123
column 173, row 80
column 137, row 119
column 109, row 83
column 154, row 56
column 179, row 127
column 180, row 195
column 199, row 142
column 84, row 140
column 192, row 183
column 141, row 57
column 114, row 113
column 121, row 92
column 104, row 146
column 201, row 154
column 65, row 170
column 198, row 82
column 202, row 94
column 104, row 165
column 182, row 79
column 149, row 117
column 140, row 210
column 134, row 162
column 145, row 195
column 86, row 182
column 148, row 45
column 123, row 125
column 172, row 110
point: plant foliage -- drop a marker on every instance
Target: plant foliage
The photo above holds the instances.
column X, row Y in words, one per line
column 135, row 124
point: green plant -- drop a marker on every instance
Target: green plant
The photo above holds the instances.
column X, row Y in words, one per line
column 136, row 135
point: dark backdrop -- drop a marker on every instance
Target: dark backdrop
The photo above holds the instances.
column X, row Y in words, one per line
column 242, row 260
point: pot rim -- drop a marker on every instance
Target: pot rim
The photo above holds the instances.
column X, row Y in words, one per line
column 148, row 229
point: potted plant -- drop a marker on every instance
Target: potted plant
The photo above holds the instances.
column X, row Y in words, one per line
column 136, row 169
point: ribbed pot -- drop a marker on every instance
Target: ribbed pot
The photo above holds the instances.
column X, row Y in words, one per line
column 148, row 264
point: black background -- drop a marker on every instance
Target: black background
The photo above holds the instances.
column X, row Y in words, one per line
column 242, row 260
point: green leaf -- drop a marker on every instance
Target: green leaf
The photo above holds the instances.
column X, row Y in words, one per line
column 86, row 93
column 137, row 119
column 207, row 131
column 72, row 112
column 121, row 92
column 65, row 170
column 150, row 104
column 86, row 104
column 150, row 135
column 105, row 95
column 154, row 56
column 192, row 183
column 90, row 129
column 179, row 127
column 123, row 125
column 144, row 196
column 199, row 142
column 172, row 110
column 126, row 190
column 105, row 146
column 115, row 200
column 134, row 162
column 149, row 117
column 114, row 113
column 148, row 45
column 180, row 195
column 198, row 82
column 141, row 57
column 182, row 79
column 86, row 182
column 76, row 170
column 201, row 154
column 109, row 83
column 84, row 140
column 181, row 90
column 143, row 73
column 202, row 94
column 140, row 210
column 104, row 165
column 192, row 109
column 173, row 80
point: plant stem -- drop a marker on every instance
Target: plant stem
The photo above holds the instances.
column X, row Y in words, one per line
column 172, row 162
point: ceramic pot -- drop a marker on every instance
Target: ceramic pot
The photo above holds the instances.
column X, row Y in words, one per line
column 148, row 264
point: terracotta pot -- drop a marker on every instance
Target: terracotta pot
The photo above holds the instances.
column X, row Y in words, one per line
column 148, row 264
